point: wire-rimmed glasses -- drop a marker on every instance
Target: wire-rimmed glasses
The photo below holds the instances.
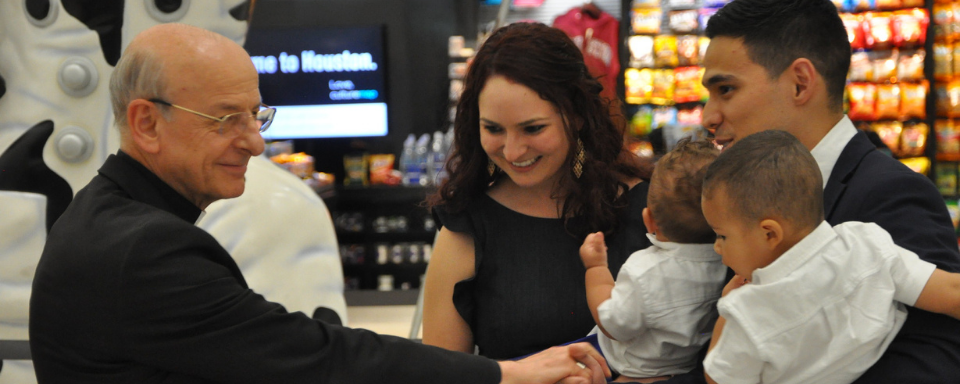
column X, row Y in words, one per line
column 233, row 123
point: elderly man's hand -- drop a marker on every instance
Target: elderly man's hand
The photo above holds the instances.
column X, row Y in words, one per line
column 570, row 364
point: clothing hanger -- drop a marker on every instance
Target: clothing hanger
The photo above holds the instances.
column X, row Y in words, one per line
column 591, row 9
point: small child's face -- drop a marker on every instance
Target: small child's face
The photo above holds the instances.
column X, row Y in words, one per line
column 742, row 244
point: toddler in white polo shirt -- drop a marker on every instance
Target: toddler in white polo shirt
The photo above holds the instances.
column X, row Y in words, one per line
column 810, row 303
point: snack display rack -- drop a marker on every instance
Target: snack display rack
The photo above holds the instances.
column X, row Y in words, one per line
column 945, row 31
column 662, row 89
column 888, row 83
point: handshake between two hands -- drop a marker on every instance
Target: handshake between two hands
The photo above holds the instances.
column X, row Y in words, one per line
column 577, row 363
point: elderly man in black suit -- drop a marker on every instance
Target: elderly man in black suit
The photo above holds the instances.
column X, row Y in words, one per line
column 129, row 290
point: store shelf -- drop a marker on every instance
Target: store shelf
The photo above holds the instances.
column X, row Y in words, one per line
column 386, row 237
column 382, row 194
column 384, row 232
column 363, row 298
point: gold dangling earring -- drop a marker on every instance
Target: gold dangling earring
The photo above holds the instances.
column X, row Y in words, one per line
column 491, row 167
column 578, row 160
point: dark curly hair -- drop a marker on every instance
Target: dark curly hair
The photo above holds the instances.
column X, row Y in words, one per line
column 545, row 60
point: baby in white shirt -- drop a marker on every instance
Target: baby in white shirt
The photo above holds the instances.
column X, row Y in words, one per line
column 659, row 313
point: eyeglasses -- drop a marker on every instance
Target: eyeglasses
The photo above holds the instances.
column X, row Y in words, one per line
column 233, row 123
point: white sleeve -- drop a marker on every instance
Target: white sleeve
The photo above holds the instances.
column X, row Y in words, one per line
column 734, row 359
column 622, row 315
column 910, row 275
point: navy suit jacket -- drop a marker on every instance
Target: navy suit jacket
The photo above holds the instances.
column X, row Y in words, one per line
column 867, row 185
column 129, row 290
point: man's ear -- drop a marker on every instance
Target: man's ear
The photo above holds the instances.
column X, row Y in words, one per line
column 773, row 232
column 648, row 221
column 805, row 80
column 142, row 117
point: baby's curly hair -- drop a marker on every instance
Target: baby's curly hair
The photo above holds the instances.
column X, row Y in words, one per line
column 674, row 197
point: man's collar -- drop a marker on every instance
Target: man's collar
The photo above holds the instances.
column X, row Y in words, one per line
column 145, row 186
column 828, row 150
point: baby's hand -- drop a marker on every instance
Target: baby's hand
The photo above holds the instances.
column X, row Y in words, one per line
column 735, row 282
column 593, row 252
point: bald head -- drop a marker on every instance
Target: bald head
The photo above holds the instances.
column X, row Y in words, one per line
column 169, row 59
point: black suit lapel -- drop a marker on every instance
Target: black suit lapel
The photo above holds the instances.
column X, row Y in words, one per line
column 848, row 162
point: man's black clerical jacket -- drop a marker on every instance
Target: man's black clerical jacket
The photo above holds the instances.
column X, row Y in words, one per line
column 129, row 290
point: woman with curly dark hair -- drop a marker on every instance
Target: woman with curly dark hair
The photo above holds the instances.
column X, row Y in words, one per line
column 538, row 163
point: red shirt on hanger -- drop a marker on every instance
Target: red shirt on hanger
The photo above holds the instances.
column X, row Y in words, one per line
column 598, row 39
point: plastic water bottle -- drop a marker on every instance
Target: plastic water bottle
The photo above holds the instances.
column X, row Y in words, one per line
column 422, row 151
column 408, row 162
column 438, row 158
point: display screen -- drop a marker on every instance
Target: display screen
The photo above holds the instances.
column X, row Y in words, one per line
column 324, row 82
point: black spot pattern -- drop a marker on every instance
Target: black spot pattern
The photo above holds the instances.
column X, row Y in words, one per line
column 22, row 169
column 103, row 16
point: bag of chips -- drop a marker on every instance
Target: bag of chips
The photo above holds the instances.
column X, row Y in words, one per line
column 910, row 27
column 910, row 65
column 381, row 169
column 861, row 67
column 942, row 61
column 947, row 181
column 877, row 30
column 690, row 116
column 888, row 102
column 953, row 96
column 687, row 84
column 639, row 85
column 884, row 65
column 641, row 51
column 889, row 132
column 853, row 23
column 646, row 20
column 685, row 21
column 642, row 122
column 942, row 96
column 664, row 116
column 948, row 140
column 913, row 139
column 942, row 21
column 913, row 100
column 664, row 85
column 687, row 50
column 862, row 98
column 665, row 51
